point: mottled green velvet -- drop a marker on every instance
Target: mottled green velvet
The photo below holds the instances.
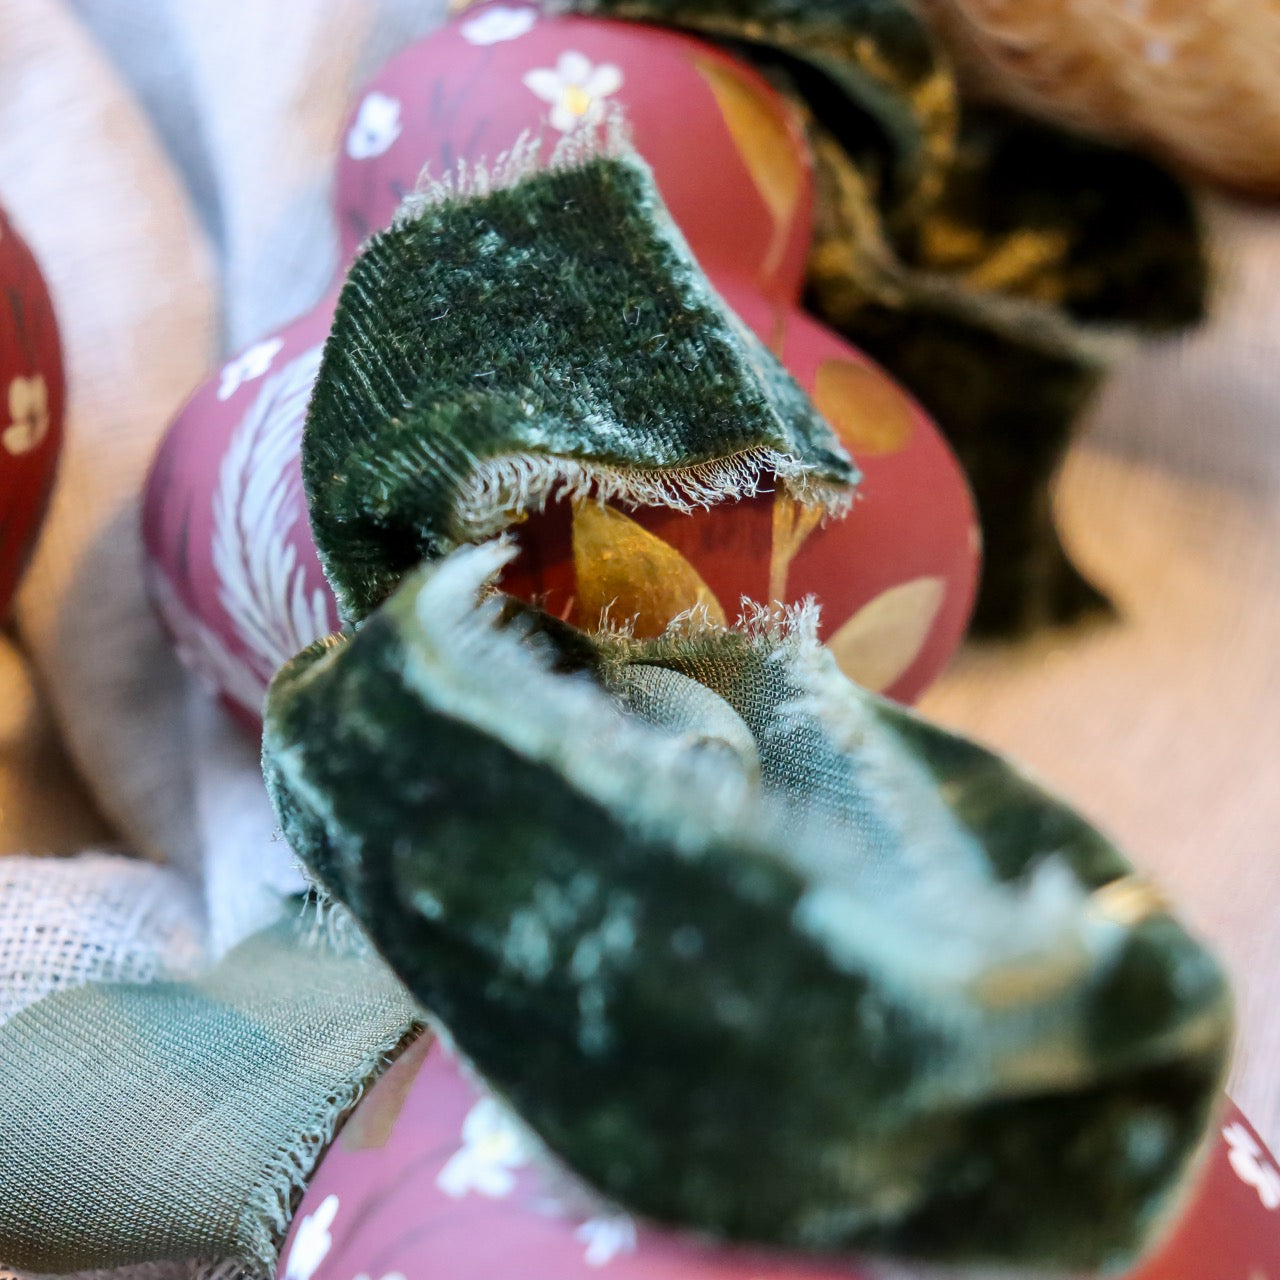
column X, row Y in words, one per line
column 581, row 350
column 752, row 950
column 989, row 261
column 755, row 952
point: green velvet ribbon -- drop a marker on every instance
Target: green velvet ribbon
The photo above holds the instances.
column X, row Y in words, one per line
column 994, row 264
column 752, row 950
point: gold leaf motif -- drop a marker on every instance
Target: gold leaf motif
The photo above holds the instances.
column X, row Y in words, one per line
column 631, row 572
column 877, row 645
column 793, row 522
column 865, row 408
column 765, row 145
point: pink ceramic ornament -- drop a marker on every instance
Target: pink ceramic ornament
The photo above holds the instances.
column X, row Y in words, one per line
column 234, row 570
column 236, row 578
column 32, row 403
column 231, row 565
column 727, row 153
column 434, row 1180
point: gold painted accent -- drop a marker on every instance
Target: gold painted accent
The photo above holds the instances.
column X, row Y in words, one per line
column 1128, row 900
column 766, row 146
column 1018, row 264
column 1029, row 982
column 1023, row 262
column 877, row 645
column 793, row 522
column 632, row 573
column 777, row 333
column 865, row 408
column 576, row 100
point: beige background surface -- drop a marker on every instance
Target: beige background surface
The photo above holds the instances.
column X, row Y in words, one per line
column 1165, row 725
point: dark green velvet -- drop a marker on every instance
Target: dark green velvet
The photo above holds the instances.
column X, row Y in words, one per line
column 903, row 169
column 494, row 329
column 628, row 954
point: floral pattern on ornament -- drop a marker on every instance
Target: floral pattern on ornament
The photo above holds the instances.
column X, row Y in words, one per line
column 575, row 88
column 28, row 413
column 1251, row 1165
column 261, row 583
column 312, row 1243
column 606, row 1238
column 493, row 1148
column 498, row 24
column 377, row 126
column 252, row 364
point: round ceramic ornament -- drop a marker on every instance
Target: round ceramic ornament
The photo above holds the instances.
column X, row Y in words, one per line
column 235, row 573
column 727, row 152
column 237, row 582
column 431, row 1178
column 32, row 403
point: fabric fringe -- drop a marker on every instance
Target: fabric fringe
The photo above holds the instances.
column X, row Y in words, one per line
column 521, row 483
column 610, row 138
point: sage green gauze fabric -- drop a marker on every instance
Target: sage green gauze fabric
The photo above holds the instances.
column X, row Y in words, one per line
column 538, row 332
column 173, row 1121
column 752, row 950
column 991, row 262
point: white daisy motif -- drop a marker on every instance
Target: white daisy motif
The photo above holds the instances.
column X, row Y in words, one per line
column 376, row 127
column 500, row 23
column 605, row 1238
column 312, row 1242
column 1251, row 1166
column 244, row 368
column 493, row 1146
column 28, row 414
column 575, row 89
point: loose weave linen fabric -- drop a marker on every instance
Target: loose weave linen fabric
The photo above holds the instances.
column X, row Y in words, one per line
column 180, row 1120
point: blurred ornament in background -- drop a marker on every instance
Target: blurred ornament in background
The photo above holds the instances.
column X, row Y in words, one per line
column 1195, row 82
column 32, row 404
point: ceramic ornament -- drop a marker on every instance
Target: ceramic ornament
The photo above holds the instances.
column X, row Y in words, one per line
column 728, row 154
column 432, row 1177
column 234, row 571
column 32, row 404
column 231, row 566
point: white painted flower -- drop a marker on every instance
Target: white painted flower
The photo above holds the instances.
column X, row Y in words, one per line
column 493, row 1146
column 1251, row 1165
column 575, row 89
column 28, row 414
column 500, row 23
column 312, row 1242
column 376, row 127
column 244, row 368
column 605, row 1238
